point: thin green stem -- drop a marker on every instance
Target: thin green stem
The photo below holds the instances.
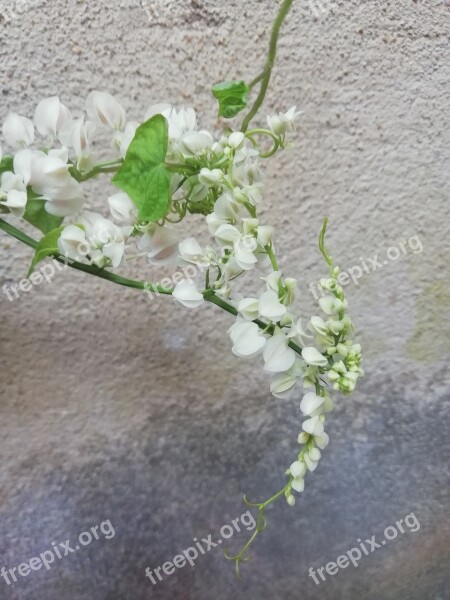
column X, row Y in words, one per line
column 111, row 166
column 272, row 257
column 260, row 131
column 271, row 152
column 209, row 295
column 16, row 233
column 276, row 141
column 257, row 79
column 91, row 269
column 266, row 74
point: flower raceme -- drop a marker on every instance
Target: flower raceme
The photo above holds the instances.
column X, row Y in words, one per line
column 166, row 168
column 219, row 179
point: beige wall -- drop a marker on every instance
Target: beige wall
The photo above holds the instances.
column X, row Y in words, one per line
column 117, row 407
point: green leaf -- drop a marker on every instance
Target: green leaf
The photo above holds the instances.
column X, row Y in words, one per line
column 36, row 214
column 143, row 175
column 232, row 97
column 6, row 164
column 47, row 246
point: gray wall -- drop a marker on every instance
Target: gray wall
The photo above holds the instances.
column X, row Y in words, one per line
column 115, row 407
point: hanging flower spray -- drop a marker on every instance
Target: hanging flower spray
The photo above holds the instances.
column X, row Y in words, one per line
column 166, row 168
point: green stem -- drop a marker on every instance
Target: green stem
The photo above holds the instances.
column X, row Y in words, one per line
column 111, row 166
column 180, row 167
column 260, row 131
column 16, row 233
column 131, row 283
column 276, row 141
column 272, row 257
column 91, row 269
column 256, row 81
column 265, row 79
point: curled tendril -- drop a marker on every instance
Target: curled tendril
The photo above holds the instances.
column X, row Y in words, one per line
column 276, row 141
column 261, row 524
column 242, row 557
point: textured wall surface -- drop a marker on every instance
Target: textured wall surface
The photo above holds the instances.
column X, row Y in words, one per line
column 115, row 407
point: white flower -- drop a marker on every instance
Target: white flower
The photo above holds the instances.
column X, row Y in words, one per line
column 54, row 183
column 247, row 338
column 264, row 235
column 297, row 333
column 225, row 211
column 244, row 252
column 278, row 357
column 179, row 122
column 228, row 235
column 298, row 484
column 194, row 143
column 298, row 469
column 106, row 240
column 290, row 500
column 125, row 137
column 270, row 307
column 187, row 294
column 13, row 193
column 322, row 440
column 25, row 164
column 291, row 289
column 318, row 325
column 197, row 191
column 48, row 175
column 310, row 463
column 160, row 244
column 105, row 110
column 273, row 281
column 283, row 122
column 331, row 305
column 249, row 308
column 303, row 437
column 72, row 242
column 94, row 238
column 50, row 116
column 282, row 385
column 248, row 194
column 191, row 251
column 312, row 459
column 311, row 405
column 313, row 357
column 18, row 131
column 230, row 269
column 243, row 157
column 250, row 226
column 314, row 454
column 78, row 134
column 211, row 177
column 122, row 208
column 236, row 139
column 327, row 304
column 313, row 426
column 162, row 108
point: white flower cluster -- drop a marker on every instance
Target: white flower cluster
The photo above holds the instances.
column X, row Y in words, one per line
column 340, row 361
column 51, row 176
column 221, row 180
